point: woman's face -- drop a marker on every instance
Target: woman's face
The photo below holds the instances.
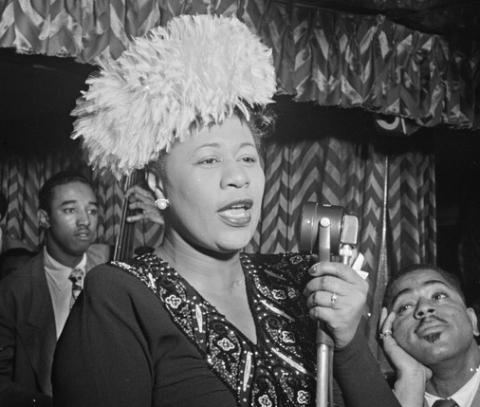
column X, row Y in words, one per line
column 215, row 184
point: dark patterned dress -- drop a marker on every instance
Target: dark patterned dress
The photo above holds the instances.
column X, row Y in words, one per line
column 276, row 371
column 140, row 335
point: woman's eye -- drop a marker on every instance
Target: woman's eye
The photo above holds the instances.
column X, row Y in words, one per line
column 209, row 161
column 250, row 159
column 68, row 210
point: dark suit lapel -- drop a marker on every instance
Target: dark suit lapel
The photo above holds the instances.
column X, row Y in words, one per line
column 39, row 333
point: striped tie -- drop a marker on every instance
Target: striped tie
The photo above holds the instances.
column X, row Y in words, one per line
column 445, row 403
column 76, row 277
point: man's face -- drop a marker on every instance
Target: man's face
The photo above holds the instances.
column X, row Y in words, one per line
column 432, row 322
column 72, row 221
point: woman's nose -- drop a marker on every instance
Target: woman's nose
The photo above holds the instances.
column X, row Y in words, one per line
column 234, row 175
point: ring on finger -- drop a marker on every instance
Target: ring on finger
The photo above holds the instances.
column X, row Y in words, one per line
column 385, row 333
column 333, row 299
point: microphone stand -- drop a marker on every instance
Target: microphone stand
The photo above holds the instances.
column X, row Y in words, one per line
column 324, row 342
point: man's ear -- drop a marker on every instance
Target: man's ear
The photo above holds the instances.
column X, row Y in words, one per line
column 43, row 219
column 155, row 184
column 474, row 319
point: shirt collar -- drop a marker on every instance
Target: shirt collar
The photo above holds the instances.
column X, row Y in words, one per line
column 463, row 396
column 58, row 271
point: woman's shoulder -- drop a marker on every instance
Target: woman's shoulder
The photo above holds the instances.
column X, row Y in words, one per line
column 117, row 273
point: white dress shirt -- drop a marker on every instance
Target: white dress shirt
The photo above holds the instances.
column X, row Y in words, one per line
column 60, row 287
column 463, row 396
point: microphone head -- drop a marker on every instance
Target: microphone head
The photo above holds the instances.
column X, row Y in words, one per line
column 349, row 233
column 311, row 216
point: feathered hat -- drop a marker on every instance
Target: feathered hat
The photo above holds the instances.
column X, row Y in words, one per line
column 197, row 69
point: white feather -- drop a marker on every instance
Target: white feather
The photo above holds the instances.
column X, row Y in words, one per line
column 197, row 67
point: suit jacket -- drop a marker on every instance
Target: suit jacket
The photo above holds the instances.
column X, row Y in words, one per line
column 27, row 336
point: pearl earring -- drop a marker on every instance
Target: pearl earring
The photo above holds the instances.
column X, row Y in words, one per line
column 162, row 203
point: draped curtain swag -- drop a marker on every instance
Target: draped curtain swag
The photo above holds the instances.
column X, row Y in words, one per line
column 324, row 56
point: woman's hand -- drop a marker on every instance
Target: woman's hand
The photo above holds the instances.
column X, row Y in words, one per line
column 336, row 295
column 143, row 202
column 411, row 375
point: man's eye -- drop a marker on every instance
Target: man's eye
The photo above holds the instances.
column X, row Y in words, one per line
column 69, row 210
column 93, row 212
column 402, row 309
column 439, row 296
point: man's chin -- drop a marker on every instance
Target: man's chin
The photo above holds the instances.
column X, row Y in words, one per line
column 432, row 350
column 80, row 249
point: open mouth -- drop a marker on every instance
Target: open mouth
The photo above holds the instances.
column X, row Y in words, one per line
column 430, row 331
column 237, row 213
column 83, row 235
column 432, row 338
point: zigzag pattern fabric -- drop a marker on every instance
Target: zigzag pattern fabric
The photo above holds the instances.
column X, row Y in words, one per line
column 329, row 57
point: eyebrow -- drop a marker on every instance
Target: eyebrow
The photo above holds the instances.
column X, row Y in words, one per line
column 409, row 290
column 71, row 202
column 217, row 145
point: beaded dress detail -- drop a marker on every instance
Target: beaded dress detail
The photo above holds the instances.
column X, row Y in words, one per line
column 278, row 370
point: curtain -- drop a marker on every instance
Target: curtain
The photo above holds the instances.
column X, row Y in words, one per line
column 325, row 56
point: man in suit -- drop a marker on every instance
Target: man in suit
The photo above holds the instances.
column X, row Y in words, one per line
column 430, row 332
column 35, row 300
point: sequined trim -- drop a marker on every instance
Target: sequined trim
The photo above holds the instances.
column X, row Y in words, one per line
column 278, row 370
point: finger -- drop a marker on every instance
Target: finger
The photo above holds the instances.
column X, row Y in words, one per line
column 388, row 323
column 333, row 284
column 322, row 299
column 140, row 205
column 324, row 314
column 386, row 329
column 135, row 218
column 330, row 284
column 339, row 270
column 140, row 193
column 383, row 317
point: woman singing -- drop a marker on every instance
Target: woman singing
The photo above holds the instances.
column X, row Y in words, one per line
column 198, row 322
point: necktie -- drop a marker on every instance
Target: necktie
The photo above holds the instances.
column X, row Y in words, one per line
column 76, row 277
column 445, row 403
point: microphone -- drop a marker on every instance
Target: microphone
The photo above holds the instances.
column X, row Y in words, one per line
column 348, row 238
